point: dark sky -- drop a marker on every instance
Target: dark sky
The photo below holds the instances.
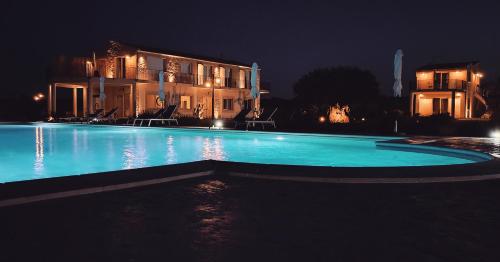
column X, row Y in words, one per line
column 286, row 38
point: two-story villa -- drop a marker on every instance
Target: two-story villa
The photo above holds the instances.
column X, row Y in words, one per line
column 131, row 83
column 451, row 88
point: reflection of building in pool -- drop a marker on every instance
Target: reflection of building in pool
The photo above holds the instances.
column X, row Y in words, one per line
column 132, row 82
column 451, row 89
column 39, row 152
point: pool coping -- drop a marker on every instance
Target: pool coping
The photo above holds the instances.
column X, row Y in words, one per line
column 23, row 192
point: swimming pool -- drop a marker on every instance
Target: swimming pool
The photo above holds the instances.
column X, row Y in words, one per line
column 41, row 150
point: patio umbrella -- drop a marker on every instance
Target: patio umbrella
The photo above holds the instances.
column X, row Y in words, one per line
column 253, row 81
column 161, row 93
column 398, row 67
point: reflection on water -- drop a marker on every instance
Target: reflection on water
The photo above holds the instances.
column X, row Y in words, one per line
column 134, row 155
column 75, row 142
column 213, row 149
column 171, row 157
column 39, row 154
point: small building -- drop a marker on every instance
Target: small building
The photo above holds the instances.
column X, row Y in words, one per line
column 451, row 88
column 131, row 82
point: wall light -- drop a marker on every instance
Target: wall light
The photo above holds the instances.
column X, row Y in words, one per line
column 207, row 84
column 322, row 119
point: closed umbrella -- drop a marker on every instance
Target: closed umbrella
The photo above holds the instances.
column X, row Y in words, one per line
column 253, row 81
column 102, row 95
column 161, row 92
column 398, row 68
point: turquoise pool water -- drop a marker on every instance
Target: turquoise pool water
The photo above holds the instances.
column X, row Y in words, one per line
column 36, row 151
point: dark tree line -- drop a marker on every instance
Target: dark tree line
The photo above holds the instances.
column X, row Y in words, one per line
column 324, row 87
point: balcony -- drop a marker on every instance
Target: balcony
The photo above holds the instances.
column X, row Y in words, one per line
column 452, row 84
column 84, row 69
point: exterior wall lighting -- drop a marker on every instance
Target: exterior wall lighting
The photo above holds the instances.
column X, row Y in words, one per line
column 322, row 119
column 38, row 97
column 207, row 84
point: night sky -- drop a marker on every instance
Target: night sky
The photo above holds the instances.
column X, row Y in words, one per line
column 286, row 39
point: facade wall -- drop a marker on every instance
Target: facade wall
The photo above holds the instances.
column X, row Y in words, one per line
column 188, row 97
column 424, row 103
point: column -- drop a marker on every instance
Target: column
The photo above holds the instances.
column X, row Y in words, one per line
column 54, row 101
column 91, row 97
column 85, row 99
column 75, row 101
column 132, row 101
column 49, row 101
column 453, row 104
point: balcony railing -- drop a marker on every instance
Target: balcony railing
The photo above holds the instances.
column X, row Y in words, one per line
column 86, row 69
column 452, row 84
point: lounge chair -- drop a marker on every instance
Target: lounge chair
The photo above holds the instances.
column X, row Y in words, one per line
column 89, row 117
column 164, row 115
column 241, row 117
column 143, row 116
column 108, row 117
column 265, row 119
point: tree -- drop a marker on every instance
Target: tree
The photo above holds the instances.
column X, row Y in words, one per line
column 350, row 86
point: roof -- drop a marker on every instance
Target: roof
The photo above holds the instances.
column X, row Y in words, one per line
column 456, row 65
column 183, row 54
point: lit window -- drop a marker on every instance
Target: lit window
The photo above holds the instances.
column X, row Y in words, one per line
column 185, row 102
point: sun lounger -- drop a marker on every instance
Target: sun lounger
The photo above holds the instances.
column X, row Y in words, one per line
column 265, row 119
column 108, row 117
column 165, row 115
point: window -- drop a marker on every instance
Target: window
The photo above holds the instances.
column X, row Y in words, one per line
column 200, row 74
column 222, row 76
column 444, row 106
column 441, row 80
column 248, row 104
column 227, row 104
column 229, row 78
column 435, row 106
column 186, row 68
column 439, row 106
column 120, row 67
column 242, row 79
column 185, row 102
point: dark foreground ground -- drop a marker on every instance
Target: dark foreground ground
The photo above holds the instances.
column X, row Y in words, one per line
column 237, row 219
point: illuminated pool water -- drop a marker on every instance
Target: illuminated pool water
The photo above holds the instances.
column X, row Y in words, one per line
column 34, row 151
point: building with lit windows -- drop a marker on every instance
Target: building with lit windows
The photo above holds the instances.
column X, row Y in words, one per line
column 131, row 77
column 452, row 88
